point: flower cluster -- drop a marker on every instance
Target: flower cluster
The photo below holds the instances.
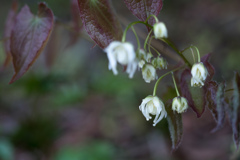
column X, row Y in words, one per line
column 123, row 53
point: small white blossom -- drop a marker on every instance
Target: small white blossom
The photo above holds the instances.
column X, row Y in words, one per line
column 160, row 63
column 199, row 74
column 153, row 105
column 179, row 104
column 149, row 73
column 148, row 57
column 123, row 53
column 141, row 63
column 160, row 30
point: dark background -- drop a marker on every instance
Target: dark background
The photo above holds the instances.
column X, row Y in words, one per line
column 69, row 106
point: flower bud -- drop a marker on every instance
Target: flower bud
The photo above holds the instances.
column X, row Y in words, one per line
column 160, row 63
column 179, row 104
column 149, row 73
column 123, row 53
column 153, row 105
column 160, row 30
column 199, row 74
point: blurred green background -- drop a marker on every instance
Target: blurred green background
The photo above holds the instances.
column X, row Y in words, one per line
column 69, row 106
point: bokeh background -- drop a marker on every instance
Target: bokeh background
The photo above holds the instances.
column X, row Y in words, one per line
column 69, row 106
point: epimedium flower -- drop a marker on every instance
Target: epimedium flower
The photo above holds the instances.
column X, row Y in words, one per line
column 123, row 53
column 160, row 63
column 160, row 30
column 199, row 74
column 154, row 106
column 149, row 73
column 179, row 104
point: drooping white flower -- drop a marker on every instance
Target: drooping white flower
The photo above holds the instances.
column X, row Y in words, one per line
column 199, row 74
column 179, row 104
column 149, row 73
column 160, row 63
column 160, row 30
column 153, row 105
column 141, row 63
column 123, row 53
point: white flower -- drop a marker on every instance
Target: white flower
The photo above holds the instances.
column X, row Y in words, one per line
column 199, row 74
column 179, row 104
column 153, row 105
column 160, row 63
column 123, row 53
column 149, row 73
column 160, row 30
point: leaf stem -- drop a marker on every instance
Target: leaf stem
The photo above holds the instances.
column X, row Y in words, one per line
column 130, row 25
column 166, row 40
column 4, row 39
column 156, row 84
column 175, row 85
column 138, row 42
column 146, row 40
column 152, row 15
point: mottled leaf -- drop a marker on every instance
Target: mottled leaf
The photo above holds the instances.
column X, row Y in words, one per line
column 234, row 110
column 210, row 98
column 100, row 21
column 143, row 8
column 175, row 125
column 8, row 30
column 220, row 106
column 194, row 95
column 29, row 37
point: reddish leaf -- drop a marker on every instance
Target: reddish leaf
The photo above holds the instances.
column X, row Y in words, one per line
column 8, row 29
column 76, row 23
column 234, row 110
column 29, row 37
column 100, row 22
column 194, row 95
column 210, row 68
column 175, row 125
column 210, row 98
column 142, row 8
column 220, row 106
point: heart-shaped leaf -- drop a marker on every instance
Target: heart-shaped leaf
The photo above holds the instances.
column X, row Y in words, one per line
column 209, row 66
column 142, row 8
column 175, row 125
column 29, row 36
column 100, row 22
column 8, row 30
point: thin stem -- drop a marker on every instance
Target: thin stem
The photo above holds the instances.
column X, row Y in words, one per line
column 154, row 49
column 229, row 90
column 175, row 85
column 138, row 42
column 156, row 84
column 130, row 25
column 199, row 57
column 4, row 39
column 192, row 54
column 149, row 49
column 145, row 43
column 175, row 49
column 156, row 19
